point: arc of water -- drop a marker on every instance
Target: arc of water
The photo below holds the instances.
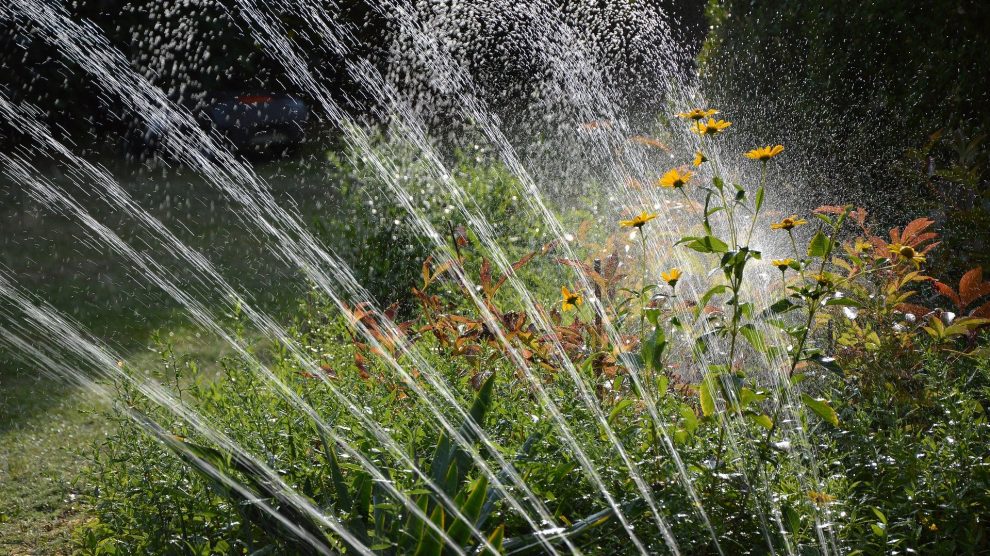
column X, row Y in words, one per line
column 44, row 320
column 278, row 43
column 480, row 116
column 344, row 276
column 603, row 106
column 111, row 190
column 152, row 270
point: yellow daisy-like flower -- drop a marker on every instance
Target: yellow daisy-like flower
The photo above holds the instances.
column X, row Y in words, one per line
column 711, row 127
column 764, row 154
column 782, row 264
column 699, row 159
column 675, row 178
column 820, row 498
column 570, row 300
column 671, row 276
column 788, row 223
column 906, row 253
column 639, row 220
column 698, row 114
column 861, row 245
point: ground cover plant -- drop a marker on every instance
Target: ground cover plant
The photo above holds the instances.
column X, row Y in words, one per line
column 590, row 395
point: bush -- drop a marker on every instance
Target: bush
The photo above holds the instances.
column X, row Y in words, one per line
column 708, row 405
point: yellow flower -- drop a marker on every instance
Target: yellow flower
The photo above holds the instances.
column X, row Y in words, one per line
column 782, row 264
column 639, row 220
column 861, row 245
column 699, row 158
column 676, row 178
column 906, row 253
column 764, row 154
column 570, row 300
column 711, row 127
column 671, row 276
column 698, row 114
column 820, row 498
column 788, row 223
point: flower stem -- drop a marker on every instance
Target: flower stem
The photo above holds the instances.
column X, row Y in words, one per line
column 756, row 212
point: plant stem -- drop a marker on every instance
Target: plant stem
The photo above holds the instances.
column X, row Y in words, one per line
column 642, row 291
column 756, row 212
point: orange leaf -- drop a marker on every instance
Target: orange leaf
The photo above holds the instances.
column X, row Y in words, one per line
column 947, row 291
column 915, row 227
column 912, row 309
column 972, row 287
column 649, row 142
column 830, row 209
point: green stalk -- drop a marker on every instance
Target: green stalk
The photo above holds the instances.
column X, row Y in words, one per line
column 756, row 213
column 642, row 290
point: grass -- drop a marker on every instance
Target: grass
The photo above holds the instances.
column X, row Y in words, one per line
column 48, row 430
column 46, row 427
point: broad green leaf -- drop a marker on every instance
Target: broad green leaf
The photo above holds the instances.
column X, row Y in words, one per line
column 662, row 384
column 827, row 362
column 779, row 308
column 653, row 348
column 704, row 244
column 819, row 245
column 707, row 401
column 822, row 409
column 762, row 419
column 690, row 419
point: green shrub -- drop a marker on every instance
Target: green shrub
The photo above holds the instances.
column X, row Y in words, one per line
column 777, row 398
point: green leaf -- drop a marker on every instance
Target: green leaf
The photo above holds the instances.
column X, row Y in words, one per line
column 618, row 409
column 496, row 539
column 460, row 531
column 446, row 452
column 662, row 384
column 819, row 245
column 430, row 543
column 828, row 363
column 822, row 409
column 707, row 401
column 690, row 419
column 653, row 348
column 714, row 290
column 762, row 419
column 758, row 202
column 779, row 308
column 792, row 518
column 704, row 244
column 652, row 315
column 754, row 337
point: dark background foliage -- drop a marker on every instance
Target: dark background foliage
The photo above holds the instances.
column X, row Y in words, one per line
column 894, row 94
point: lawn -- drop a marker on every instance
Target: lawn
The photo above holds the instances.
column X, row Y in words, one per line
column 47, row 428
